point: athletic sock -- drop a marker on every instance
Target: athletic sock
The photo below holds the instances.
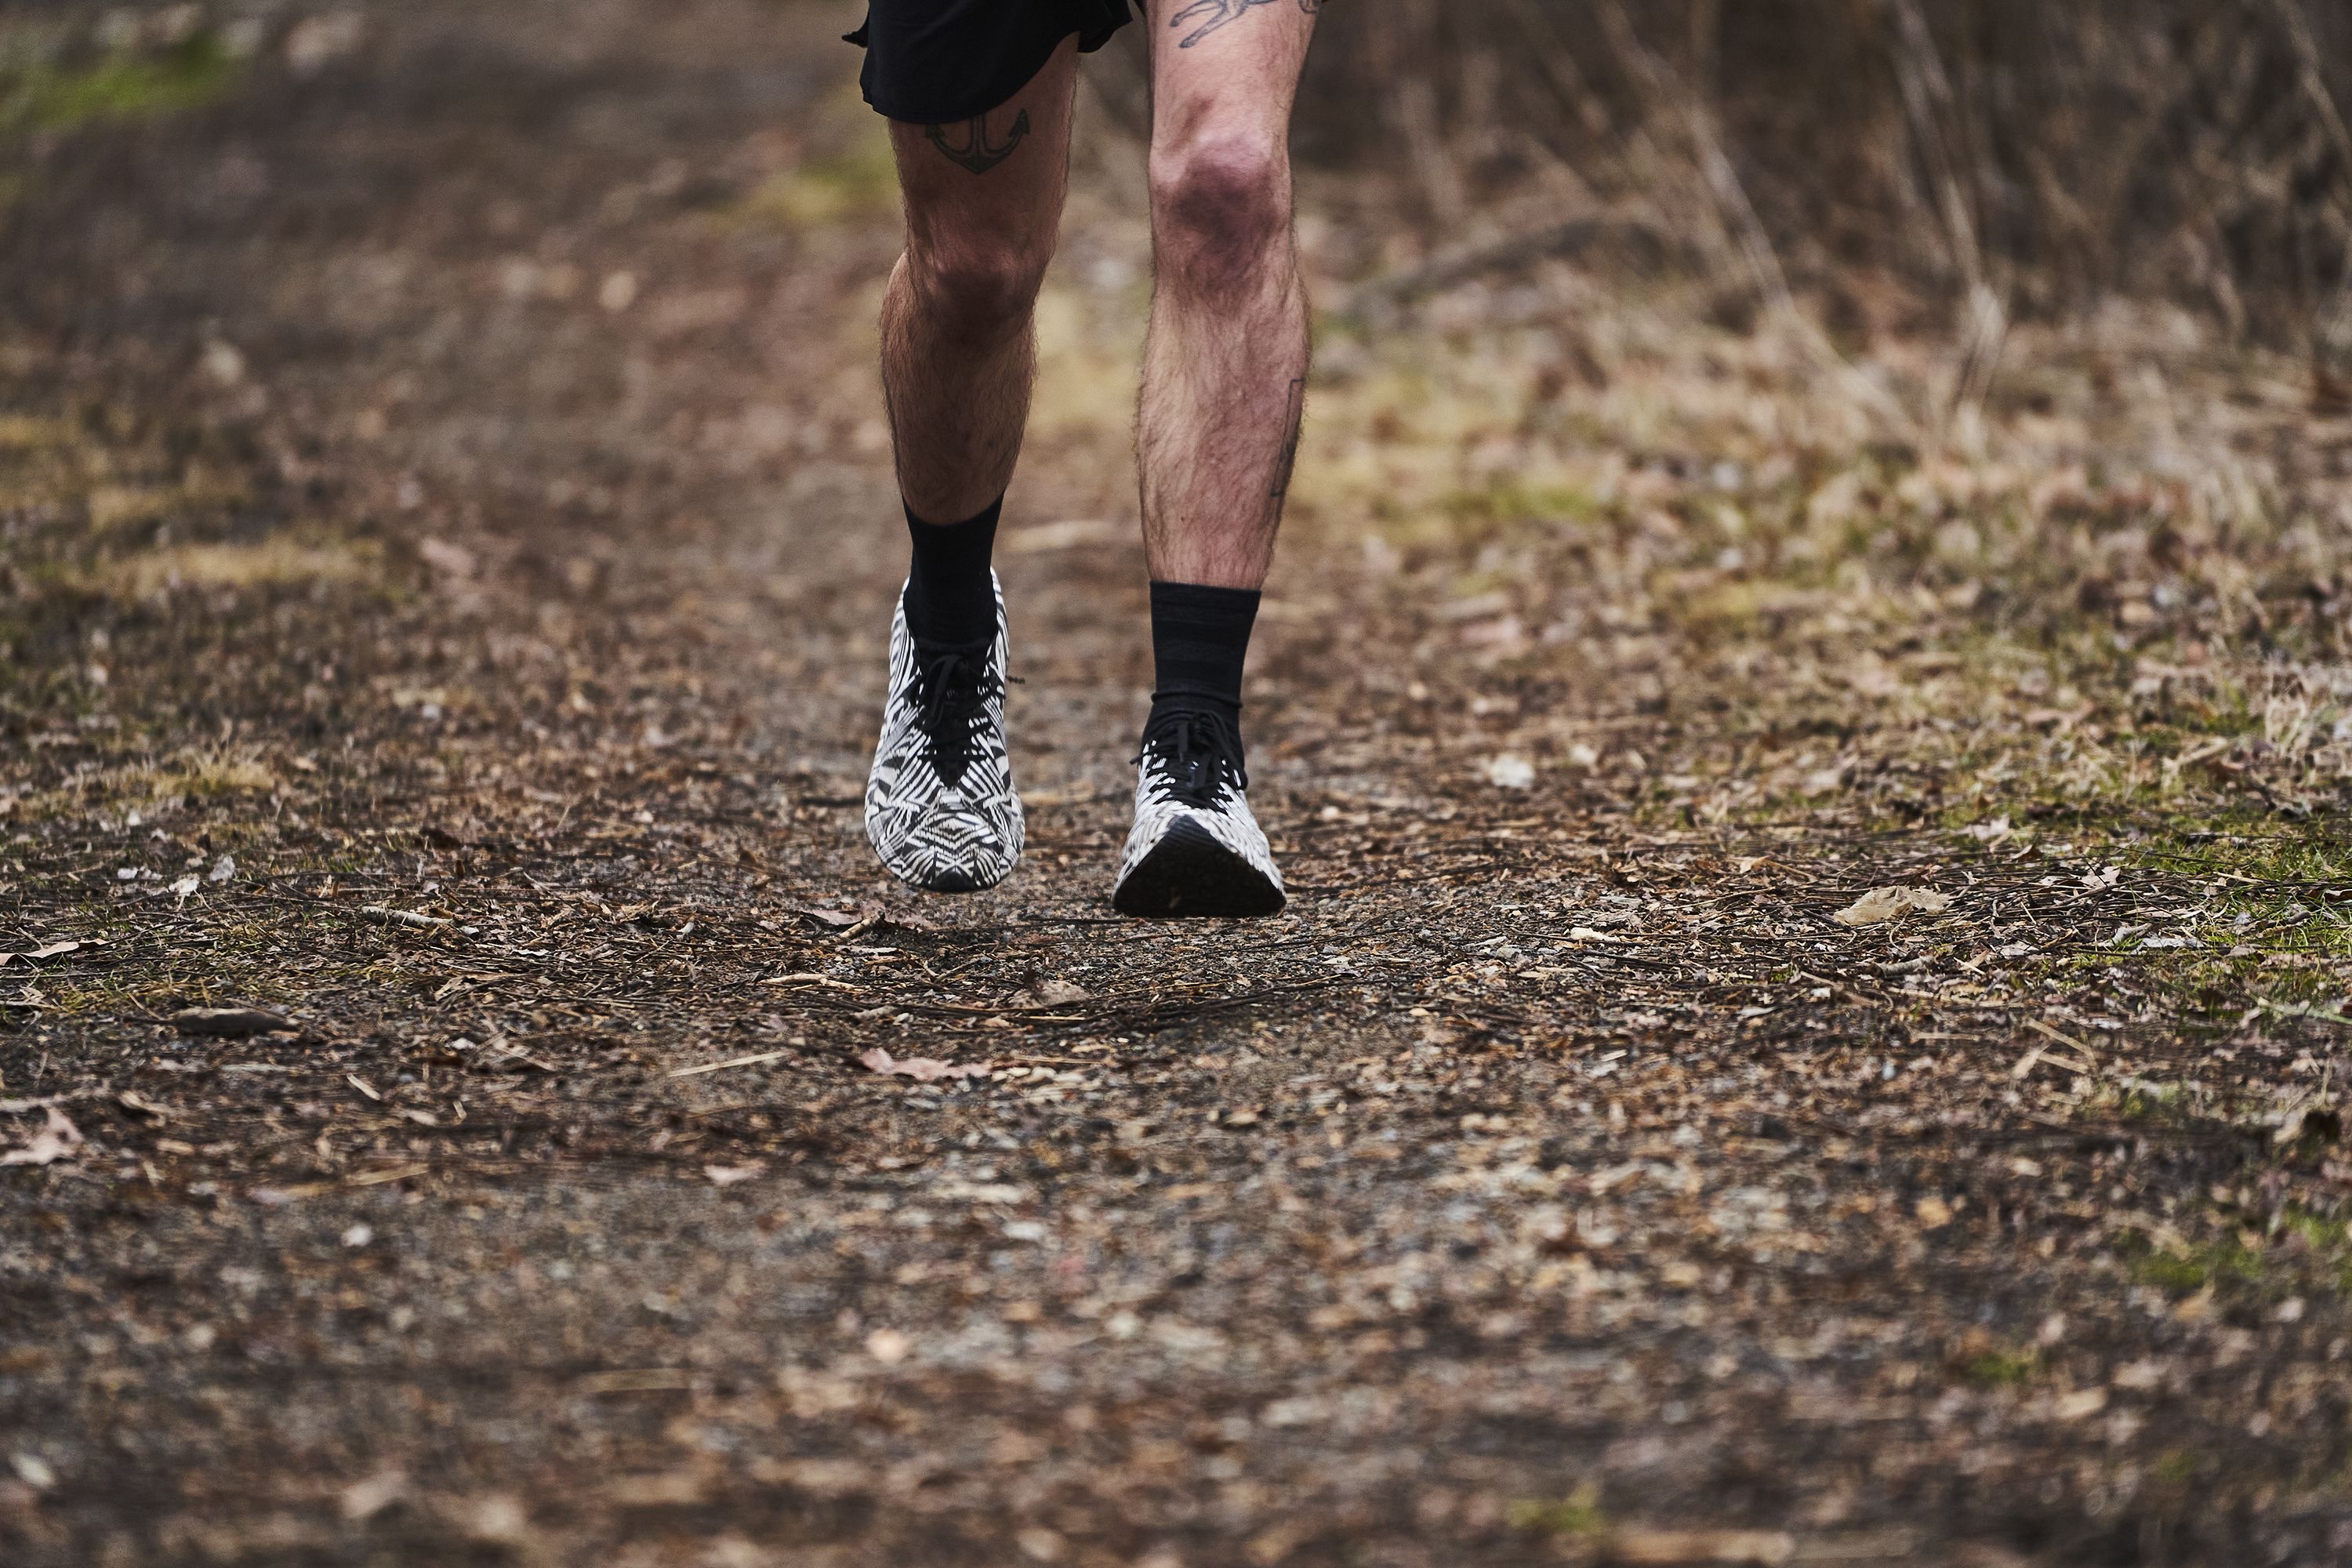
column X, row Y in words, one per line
column 950, row 598
column 1200, row 639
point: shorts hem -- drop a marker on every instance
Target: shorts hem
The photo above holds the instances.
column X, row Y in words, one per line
column 999, row 88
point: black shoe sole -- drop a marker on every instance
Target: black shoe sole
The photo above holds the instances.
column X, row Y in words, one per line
column 1190, row 874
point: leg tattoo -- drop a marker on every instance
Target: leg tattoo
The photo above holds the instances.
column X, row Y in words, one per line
column 977, row 154
column 1212, row 15
column 1292, row 427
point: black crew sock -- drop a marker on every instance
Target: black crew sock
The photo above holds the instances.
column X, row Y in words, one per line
column 1200, row 639
column 950, row 598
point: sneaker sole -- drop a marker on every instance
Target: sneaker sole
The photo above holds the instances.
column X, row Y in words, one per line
column 1191, row 874
column 951, row 882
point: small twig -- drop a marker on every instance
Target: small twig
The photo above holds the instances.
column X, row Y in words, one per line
column 2066, row 1041
column 750, row 1061
column 383, row 915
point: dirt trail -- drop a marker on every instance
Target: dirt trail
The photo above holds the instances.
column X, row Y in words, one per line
column 450, row 524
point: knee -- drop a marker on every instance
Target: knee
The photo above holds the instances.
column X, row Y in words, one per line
column 1220, row 209
column 981, row 285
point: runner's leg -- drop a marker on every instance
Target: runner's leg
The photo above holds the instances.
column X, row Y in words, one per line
column 983, row 205
column 1223, row 387
column 1226, row 364
column 983, row 201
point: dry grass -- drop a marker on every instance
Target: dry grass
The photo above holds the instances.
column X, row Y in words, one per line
column 274, row 563
column 1961, row 166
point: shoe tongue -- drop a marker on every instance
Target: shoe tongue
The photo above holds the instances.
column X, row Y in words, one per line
column 976, row 653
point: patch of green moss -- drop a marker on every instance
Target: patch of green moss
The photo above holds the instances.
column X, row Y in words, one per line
column 122, row 86
column 2242, row 846
column 1505, row 501
column 2000, row 1369
column 2143, row 1101
column 2326, row 1234
column 1577, row 1515
column 2190, row 1267
column 2326, row 1241
column 856, row 182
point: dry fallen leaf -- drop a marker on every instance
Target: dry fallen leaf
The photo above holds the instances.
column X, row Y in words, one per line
column 54, row 950
column 922, row 1069
column 54, row 1142
column 443, row 556
column 668, row 1489
column 727, row 1175
column 496, row 1518
column 316, row 42
column 1507, row 772
column 2081, row 1402
column 1045, row 1546
column 1765, row 1548
column 363, row 1499
column 1881, row 904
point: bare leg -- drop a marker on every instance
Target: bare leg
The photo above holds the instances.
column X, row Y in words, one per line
column 1224, row 381
column 983, row 202
column 983, row 205
column 1226, row 364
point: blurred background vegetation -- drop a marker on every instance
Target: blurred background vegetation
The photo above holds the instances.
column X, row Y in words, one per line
column 1904, row 163
column 1897, row 165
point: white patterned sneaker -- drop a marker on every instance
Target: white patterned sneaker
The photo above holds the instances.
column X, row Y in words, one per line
column 1195, row 849
column 940, row 805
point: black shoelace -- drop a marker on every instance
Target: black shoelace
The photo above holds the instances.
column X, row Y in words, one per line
column 953, row 686
column 1197, row 754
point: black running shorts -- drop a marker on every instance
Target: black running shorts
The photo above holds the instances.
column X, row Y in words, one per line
column 935, row 62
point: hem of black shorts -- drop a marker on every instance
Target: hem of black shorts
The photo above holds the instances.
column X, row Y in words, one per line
column 949, row 113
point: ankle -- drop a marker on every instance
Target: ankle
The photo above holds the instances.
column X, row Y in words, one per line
column 950, row 598
column 1200, row 642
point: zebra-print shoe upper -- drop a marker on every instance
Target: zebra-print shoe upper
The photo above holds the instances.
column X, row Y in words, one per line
column 1195, row 849
column 939, row 805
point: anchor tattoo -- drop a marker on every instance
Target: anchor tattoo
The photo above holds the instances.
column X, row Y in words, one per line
column 978, row 153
